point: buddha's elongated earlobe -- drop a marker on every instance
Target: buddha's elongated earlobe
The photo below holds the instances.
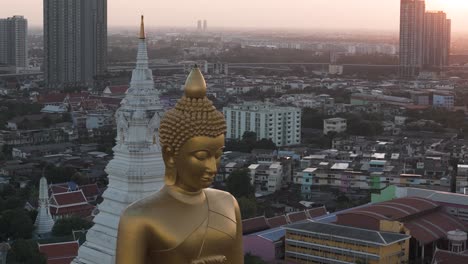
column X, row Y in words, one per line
column 170, row 176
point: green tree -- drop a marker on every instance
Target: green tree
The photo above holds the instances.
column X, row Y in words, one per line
column 265, row 144
column 312, row 118
column 25, row 252
column 251, row 259
column 65, row 226
column 248, row 207
column 59, row 174
column 238, row 184
column 15, row 224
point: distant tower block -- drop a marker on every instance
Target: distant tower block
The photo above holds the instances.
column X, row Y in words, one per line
column 199, row 25
column 457, row 241
column 205, row 25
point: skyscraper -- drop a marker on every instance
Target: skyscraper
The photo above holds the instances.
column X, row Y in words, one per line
column 437, row 31
column 199, row 25
column 411, row 37
column 137, row 169
column 75, row 42
column 205, row 25
column 13, row 41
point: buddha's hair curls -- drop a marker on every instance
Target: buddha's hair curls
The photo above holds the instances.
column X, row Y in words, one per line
column 190, row 118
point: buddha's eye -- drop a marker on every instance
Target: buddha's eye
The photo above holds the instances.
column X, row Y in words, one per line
column 201, row 155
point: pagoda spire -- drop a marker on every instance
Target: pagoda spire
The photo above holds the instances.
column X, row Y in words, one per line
column 44, row 221
column 137, row 168
column 142, row 28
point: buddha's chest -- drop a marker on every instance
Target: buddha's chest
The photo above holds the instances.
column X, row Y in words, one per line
column 213, row 237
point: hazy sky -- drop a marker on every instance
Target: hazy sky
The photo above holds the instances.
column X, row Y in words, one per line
column 336, row 14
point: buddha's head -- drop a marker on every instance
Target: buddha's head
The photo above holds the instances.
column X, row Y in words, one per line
column 192, row 137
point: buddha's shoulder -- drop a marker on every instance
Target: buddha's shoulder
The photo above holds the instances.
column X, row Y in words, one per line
column 147, row 205
column 219, row 196
column 223, row 203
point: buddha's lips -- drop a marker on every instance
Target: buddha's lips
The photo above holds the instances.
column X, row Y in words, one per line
column 207, row 178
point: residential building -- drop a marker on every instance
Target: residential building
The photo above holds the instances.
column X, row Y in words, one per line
column 337, row 125
column 280, row 124
column 13, row 41
column 99, row 119
column 314, row 242
column 411, row 37
column 26, row 152
column 437, row 36
column 444, row 100
column 75, row 42
column 267, row 177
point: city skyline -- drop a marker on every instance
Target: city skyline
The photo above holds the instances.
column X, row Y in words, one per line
column 300, row 14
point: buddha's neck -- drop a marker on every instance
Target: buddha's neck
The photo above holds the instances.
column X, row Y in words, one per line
column 184, row 196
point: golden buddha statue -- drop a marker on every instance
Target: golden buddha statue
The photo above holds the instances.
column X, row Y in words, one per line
column 185, row 222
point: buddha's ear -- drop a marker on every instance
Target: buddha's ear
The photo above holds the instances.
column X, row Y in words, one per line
column 170, row 176
column 168, row 156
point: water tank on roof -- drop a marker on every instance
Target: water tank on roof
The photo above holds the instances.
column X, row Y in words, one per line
column 457, row 240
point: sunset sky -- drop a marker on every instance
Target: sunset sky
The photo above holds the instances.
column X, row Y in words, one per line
column 314, row 14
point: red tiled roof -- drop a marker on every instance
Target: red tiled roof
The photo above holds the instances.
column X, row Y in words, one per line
column 78, row 95
column 58, row 188
column 433, row 226
column 60, row 253
column 108, row 100
column 253, row 225
column 90, row 190
column 69, row 198
column 396, row 209
column 82, row 210
column 297, row 216
column 118, row 89
column 316, row 212
column 51, row 98
column 277, row 221
column 422, row 217
column 447, row 257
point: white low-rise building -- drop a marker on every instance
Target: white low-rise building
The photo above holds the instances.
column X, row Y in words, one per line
column 267, row 177
column 337, row 125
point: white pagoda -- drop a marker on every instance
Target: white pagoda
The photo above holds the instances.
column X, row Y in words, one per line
column 44, row 222
column 137, row 169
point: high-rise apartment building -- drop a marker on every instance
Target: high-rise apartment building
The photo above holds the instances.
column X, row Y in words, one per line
column 75, row 42
column 13, row 41
column 411, row 37
column 280, row 124
column 437, row 31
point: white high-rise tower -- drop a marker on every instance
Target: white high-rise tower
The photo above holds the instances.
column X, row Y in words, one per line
column 137, row 169
column 44, row 222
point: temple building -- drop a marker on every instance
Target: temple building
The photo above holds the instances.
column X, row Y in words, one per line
column 137, row 169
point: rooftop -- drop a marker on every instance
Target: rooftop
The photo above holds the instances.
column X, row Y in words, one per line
column 365, row 235
column 60, row 253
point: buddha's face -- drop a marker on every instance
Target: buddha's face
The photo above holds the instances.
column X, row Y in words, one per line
column 197, row 162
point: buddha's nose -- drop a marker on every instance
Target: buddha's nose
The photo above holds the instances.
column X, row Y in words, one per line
column 211, row 166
